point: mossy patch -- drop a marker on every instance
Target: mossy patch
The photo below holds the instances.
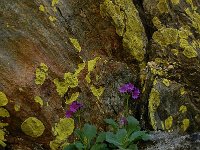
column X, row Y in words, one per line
column 3, row 99
column 127, row 22
column 62, row 130
column 75, row 44
column 154, row 102
column 4, row 112
column 33, row 127
column 41, row 74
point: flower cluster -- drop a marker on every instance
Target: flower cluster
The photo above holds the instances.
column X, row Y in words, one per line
column 73, row 108
column 130, row 88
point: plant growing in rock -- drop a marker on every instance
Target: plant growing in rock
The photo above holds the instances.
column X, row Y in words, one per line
column 123, row 136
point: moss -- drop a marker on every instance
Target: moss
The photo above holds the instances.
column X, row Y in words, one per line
column 127, row 22
column 52, row 18
column 41, row 74
column 157, row 23
column 32, row 127
column 41, row 8
column 195, row 18
column 3, row 99
column 54, row 2
column 97, row 91
column 163, row 6
column 38, row 100
column 168, row 122
column 154, row 102
column 2, row 138
column 17, row 107
column 62, row 130
column 175, row 52
column 76, row 44
column 92, row 63
column 175, row 2
column 165, row 36
column 185, row 124
column 4, row 112
column 183, row 109
column 73, row 97
column 166, row 82
column 189, row 50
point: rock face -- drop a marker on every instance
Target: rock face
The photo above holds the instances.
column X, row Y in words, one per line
column 55, row 52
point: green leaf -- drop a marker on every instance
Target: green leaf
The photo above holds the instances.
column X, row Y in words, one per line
column 138, row 135
column 79, row 145
column 70, row 147
column 133, row 125
column 112, row 123
column 111, row 138
column 121, row 135
column 79, row 134
column 89, row 131
column 133, row 147
column 99, row 147
column 101, row 137
column 146, row 137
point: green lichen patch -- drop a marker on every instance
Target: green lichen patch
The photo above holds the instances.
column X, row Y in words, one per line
column 165, row 36
column 71, row 79
column 80, row 68
column 33, row 127
column 92, row 63
column 163, row 6
column 38, row 100
column 76, row 44
column 97, row 91
column 4, row 112
column 73, row 97
column 127, row 22
column 189, row 50
column 87, row 78
column 157, row 23
column 2, row 138
column 185, row 124
column 154, row 102
column 3, row 99
column 2, row 125
column 62, row 130
column 183, row 109
column 41, row 74
column 61, row 87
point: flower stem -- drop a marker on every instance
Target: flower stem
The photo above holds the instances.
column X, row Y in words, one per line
column 127, row 106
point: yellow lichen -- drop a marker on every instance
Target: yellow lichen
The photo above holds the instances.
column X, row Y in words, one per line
column 189, row 50
column 168, row 122
column 175, row 2
column 165, row 36
column 154, row 102
column 61, row 87
column 184, row 32
column 76, row 44
column 182, row 91
column 41, row 8
column 2, row 125
column 175, row 51
column 191, row 4
column 73, row 97
column 183, row 109
column 166, row 82
column 17, row 107
column 41, row 74
column 52, row 18
column 127, row 22
column 80, row 68
column 54, row 2
column 185, row 124
column 62, row 130
column 2, row 138
column 4, row 112
column 3, row 99
column 38, row 100
column 33, row 127
column 71, row 79
column 163, row 6
column 87, row 78
column 97, row 91
column 157, row 23
column 92, row 63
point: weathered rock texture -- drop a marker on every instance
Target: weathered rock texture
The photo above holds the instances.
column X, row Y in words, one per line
column 54, row 52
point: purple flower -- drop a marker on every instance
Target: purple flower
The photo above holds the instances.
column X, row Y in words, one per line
column 126, row 88
column 135, row 93
column 123, row 121
column 68, row 113
column 75, row 106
